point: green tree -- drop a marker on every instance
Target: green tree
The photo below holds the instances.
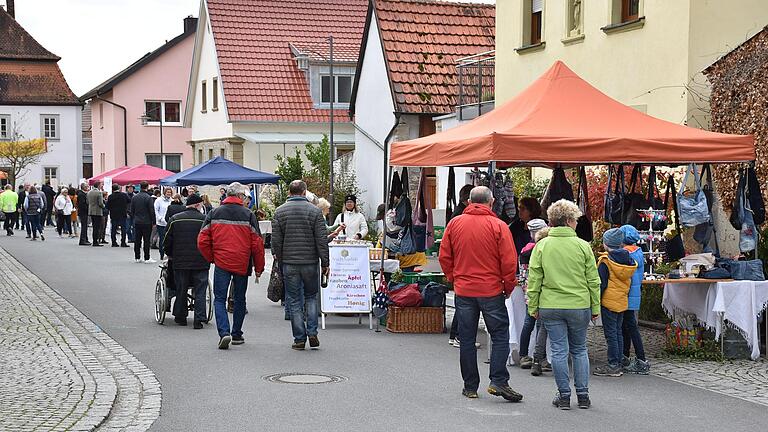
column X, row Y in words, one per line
column 319, row 173
column 290, row 168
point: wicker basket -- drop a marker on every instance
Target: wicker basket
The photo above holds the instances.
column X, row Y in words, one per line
column 415, row 319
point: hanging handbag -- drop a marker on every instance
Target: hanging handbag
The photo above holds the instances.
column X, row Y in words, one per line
column 423, row 229
column 407, row 240
column 510, row 201
column 748, row 231
column 706, row 232
column 584, row 228
column 558, row 188
column 275, row 288
column 654, row 199
column 450, row 202
column 747, row 270
column 614, row 200
column 381, row 300
column 693, row 210
column 635, row 200
column 396, row 189
column 673, row 247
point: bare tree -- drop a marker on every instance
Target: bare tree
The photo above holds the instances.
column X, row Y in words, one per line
column 18, row 154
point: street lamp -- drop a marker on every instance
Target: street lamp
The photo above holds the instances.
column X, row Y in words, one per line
column 145, row 118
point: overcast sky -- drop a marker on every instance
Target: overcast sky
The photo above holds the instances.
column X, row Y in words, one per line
column 98, row 38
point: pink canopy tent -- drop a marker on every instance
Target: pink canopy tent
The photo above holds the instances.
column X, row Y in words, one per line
column 110, row 173
column 140, row 173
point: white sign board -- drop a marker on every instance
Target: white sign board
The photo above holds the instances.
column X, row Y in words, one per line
column 108, row 184
column 349, row 280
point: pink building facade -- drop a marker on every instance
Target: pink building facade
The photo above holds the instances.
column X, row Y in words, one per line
column 154, row 87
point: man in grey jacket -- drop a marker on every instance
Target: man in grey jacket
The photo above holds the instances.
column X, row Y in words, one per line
column 299, row 240
column 96, row 211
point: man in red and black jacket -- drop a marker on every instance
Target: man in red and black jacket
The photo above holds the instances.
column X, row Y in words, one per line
column 230, row 239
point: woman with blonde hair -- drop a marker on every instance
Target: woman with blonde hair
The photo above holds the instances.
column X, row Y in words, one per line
column 63, row 206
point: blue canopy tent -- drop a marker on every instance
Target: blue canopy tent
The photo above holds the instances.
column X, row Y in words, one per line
column 218, row 171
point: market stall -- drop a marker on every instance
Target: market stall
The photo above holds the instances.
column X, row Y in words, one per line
column 218, row 171
column 138, row 174
column 561, row 121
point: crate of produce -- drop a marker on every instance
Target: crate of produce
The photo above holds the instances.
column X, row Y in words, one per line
column 415, row 319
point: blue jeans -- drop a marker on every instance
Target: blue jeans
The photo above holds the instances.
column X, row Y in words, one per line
column 631, row 335
column 34, row 225
column 525, row 334
column 302, row 281
column 567, row 330
column 614, row 338
column 129, row 228
column 221, row 279
column 497, row 322
column 160, row 238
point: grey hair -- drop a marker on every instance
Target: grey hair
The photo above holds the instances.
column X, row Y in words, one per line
column 480, row 195
column 237, row 188
column 323, row 204
column 297, row 187
column 563, row 211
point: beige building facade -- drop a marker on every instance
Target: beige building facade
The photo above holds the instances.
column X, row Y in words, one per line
column 648, row 54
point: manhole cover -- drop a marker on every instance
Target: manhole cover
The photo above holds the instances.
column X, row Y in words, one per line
column 303, row 378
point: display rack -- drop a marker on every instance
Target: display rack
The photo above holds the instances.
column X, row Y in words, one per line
column 648, row 237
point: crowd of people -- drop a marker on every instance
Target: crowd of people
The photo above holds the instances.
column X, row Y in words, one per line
column 566, row 288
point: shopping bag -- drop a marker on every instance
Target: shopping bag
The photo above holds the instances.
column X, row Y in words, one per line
column 634, row 200
column 584, row 229
column 693, row 209
column 673, row 247
column 275, row 287
column 614, row 199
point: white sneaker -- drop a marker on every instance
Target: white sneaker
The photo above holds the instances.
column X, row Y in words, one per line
column 150, row 261
column 139, row 260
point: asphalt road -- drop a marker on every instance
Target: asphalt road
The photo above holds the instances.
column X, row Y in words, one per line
column 395, row 382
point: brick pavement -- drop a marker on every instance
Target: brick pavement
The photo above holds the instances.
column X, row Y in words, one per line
column 60, row 371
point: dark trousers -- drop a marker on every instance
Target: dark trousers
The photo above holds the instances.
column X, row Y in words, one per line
column 83, row 216
column 48, row 214
column 198, row 281
column 631, row 334
column 63, row 224
column 21, row 219
column 497, row 322
column 525, row 335
column 10, row 222
column 35, row 225
column 454, row 326
column 96, row 221
column 123, row 224
column 614, row 338
column 142, row 233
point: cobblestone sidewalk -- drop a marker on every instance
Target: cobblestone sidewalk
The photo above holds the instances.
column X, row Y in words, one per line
column 59, row 370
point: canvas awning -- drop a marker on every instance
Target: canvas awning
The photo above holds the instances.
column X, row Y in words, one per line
column 140, row 173
column 110, row 173
column 219, row 171
column 562, row 119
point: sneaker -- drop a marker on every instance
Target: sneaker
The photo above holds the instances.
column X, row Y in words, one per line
column 608, row 371
column 640, row 367
column 224, row 341
column 115, row 245
column 560, row 402
column 42, row 237
column 237, row 340
column 546, row 366
column 471, row 394
column 536, row 369
column 298, row 346
column 314, row 342
column 181, row 322
column 452, row 342
column 197, row 325
column 584, row 402
column 149, row 261
column 506, row 392
column 138, row 260
column 124, row 245
column 526, row 362
column 457, row 343
column 625, row 361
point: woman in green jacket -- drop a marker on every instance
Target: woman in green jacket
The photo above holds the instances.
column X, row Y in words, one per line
column 564, row 292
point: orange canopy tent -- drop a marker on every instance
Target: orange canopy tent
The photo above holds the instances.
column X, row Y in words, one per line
column 562, row 119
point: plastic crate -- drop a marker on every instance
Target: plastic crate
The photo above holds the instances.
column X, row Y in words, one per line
column 424, row 277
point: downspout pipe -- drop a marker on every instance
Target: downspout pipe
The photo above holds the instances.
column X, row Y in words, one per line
column 125, row 126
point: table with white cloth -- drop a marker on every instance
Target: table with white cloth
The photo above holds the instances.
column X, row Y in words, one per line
column 738, row 302
column 265, row 227
column 390, row 265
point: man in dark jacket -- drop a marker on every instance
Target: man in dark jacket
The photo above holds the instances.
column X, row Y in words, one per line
column 190, row 269
column 142, row 212
column 299, row 241
column 117, row 204
column 82, row 213
column 129, row 191
column 231, row 240
column 95, row 200
column 49, row 195
column 21, row 223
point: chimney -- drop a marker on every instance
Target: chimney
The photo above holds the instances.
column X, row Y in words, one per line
column 10, row 8
column 190, row 24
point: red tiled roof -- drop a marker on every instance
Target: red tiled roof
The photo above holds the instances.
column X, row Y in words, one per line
column 422, row 41
column 259, row 76
column 321, row 52
column 17, row 44
column 34, row 83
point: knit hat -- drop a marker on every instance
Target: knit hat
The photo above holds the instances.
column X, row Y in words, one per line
column 631, row 236
column 351, row 198
column 613, row 238
column 194, row 199
column 534, row 225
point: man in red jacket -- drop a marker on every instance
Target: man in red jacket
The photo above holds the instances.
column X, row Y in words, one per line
column 230, row 239
column 478, row 255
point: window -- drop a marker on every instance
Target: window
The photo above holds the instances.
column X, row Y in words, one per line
column 199, row 156
column 204, row 99
column 223, row 153
column 536, row 21
column 215, row 94
column 49, row 126
column 50, row 174
column 169, row 111
column 210, row 154
column 101, row 115
column 5, row 127
column 172, row 161
column 630, row 10
column 343, row 89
